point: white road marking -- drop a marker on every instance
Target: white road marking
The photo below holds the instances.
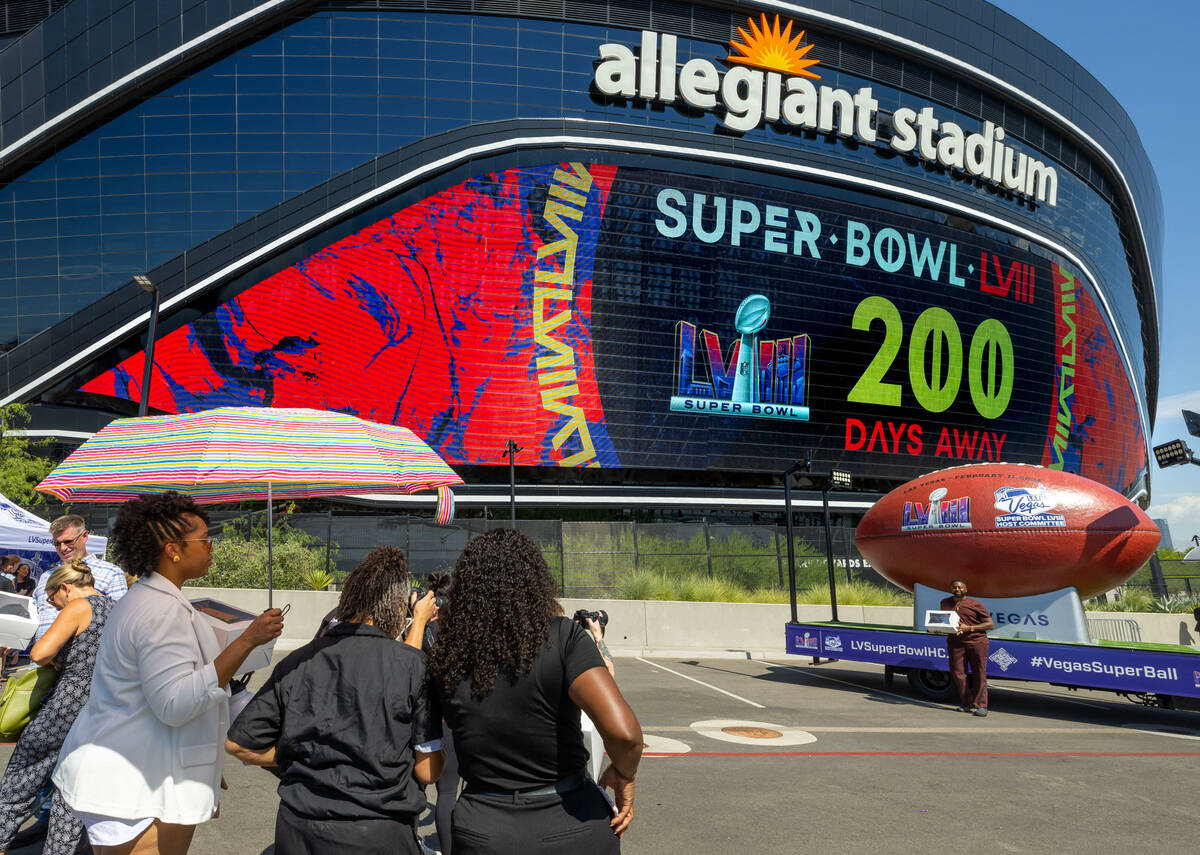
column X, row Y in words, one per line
column 664, row 744
column 787, row 735
column 1163, row 731
column 702, row 683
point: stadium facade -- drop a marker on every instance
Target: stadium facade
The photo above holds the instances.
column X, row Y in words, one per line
column 667, row 248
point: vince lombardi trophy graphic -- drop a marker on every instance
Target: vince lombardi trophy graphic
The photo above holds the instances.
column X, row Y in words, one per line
column 751, row 317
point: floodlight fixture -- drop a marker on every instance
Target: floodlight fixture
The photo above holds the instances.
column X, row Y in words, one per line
column 1192, row 420
column 1173, row 453
column 143, row 281
column 839, row 478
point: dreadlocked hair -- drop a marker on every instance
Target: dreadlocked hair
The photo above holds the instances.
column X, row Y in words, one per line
column 498, row 616
column 375, row 589
column 145, row 524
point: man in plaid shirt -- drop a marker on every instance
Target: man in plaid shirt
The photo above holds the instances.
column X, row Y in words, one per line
column 70, row 541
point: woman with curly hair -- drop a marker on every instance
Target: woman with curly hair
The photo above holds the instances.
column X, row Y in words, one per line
column 70, row 645
column 513, row 675
column 347, row 720
column 142, row 764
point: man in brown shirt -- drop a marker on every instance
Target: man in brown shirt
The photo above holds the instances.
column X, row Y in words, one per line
column 969, row 645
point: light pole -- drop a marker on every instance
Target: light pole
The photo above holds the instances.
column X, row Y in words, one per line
column 836, row 479
column 787, row 513
column 510, row 450
column 149, row 287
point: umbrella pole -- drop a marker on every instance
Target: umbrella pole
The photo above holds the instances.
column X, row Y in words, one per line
column 270, row 551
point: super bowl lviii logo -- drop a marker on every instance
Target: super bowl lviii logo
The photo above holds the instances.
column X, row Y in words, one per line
column 764, row 379
column 941, row 513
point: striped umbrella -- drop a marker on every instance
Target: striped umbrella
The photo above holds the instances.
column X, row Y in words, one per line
column 232, row 454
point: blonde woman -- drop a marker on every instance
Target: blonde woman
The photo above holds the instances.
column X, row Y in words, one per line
column 70, row 644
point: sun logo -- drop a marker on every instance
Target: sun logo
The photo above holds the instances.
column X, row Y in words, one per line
column 773, row 49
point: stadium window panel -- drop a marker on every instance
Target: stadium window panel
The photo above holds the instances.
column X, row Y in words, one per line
column 259, row 66
column 205, row 224
column 171, row 222
column 355, row 105
column 28, row 267
column 340, row 161
column 163, row 164
column 439, row 126
column 260, row 143
column 310, row 85
column 490, row 111
column 212, row 143
column 302, row 46
column 165, row 125
column 455, row 30
column 28, row 229
column 446, row 109
column 495, row 93
column 258, row 181
column 297, row 182
column 258, row 123
column 221, row 201
column 539, row 99
column 500, row 57
column 210, row 162
column 128, row 203
column 447, row 71
column 356, row 48
column 78, row 167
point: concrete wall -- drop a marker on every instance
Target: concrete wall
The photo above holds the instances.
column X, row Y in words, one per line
column 653, row 627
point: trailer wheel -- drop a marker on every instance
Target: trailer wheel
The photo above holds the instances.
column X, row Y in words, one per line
column 933, row 685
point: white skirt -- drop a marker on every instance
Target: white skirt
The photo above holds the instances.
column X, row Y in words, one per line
column 108, row 831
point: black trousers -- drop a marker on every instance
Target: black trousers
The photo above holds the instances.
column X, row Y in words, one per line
column 573, row 823
column 298, row 835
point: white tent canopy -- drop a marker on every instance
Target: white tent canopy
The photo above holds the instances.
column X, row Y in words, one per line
column 28, row 535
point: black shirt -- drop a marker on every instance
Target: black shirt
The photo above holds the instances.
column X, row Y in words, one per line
column 345, row 711
column 525, row 732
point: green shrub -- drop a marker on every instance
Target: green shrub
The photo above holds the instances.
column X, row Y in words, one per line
column 699, row 588
column 1128, row 600
column 240, row 559
column 856, row 594
column 318, row 580
column 1177, row 603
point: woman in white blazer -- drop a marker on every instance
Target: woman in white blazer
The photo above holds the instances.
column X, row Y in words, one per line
column 142, row 764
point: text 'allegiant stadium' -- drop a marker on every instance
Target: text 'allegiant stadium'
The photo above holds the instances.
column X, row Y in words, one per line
column 745, row 97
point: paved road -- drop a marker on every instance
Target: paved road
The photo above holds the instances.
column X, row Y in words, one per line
column 834, row 762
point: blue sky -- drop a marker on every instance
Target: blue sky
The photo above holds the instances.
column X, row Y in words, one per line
column 1146, row 55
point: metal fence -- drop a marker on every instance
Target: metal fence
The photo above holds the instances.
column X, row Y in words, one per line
column 586, row 558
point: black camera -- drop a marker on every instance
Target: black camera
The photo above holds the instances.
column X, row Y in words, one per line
column 599, row 616
column 419, row 591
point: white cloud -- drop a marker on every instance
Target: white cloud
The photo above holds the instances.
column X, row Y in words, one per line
column 1182, row 513
column 1169, row 407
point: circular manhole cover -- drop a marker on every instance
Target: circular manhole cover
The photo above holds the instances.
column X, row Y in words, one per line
column 752, row 732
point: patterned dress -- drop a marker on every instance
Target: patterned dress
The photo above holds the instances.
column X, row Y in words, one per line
column 36, row 751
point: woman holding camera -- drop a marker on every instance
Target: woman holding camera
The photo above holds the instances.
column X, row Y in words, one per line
column 513, row 676
column 347, row 720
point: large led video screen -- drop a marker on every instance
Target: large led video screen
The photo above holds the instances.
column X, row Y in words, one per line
column 611, row 316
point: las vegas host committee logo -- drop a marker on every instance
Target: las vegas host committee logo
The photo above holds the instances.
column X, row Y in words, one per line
column 763, row 379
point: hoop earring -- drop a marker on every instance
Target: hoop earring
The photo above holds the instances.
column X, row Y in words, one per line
column 175, row 559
